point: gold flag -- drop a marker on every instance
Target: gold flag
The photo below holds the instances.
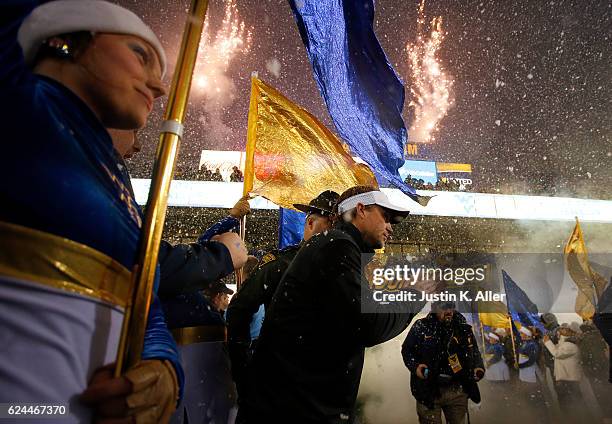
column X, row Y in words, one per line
column 495, row 315
column 590, row 284
column 291, row 157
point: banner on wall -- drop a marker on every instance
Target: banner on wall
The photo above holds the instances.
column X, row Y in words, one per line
column 419, row 170
column 418, row 151
column 460, row 173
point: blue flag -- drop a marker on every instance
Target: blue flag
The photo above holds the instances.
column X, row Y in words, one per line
column 363, row 94
column 290, row 227
column 520, row 307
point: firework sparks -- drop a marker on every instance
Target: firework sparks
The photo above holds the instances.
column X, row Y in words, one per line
column 210, row 75
column 215, row 54
column 431, row 85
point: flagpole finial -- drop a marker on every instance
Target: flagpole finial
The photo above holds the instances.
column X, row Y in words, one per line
column 255, row 74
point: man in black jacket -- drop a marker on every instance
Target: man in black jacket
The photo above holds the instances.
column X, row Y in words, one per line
column 603, row 321
column 307, row 365
column 259, row 288
column 444, row 362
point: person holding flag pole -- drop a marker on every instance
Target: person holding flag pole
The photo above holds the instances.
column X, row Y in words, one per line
column 75, row 68
column 513, row 340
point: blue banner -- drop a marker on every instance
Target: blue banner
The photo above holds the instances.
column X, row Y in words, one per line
column 520, row 307
column 363, row 94
column 290, row 227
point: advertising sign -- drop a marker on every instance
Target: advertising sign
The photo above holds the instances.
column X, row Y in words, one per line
column 420, row 170
column 460, row 173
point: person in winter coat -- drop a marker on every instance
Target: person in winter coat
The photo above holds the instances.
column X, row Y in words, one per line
column 593, row 350
column 307, row 364
column 568, row 373
column 256, row 292
column 603, row 321
column 444, row 362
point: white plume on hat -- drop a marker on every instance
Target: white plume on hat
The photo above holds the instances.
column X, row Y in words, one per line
column 66, row 16
column 526, row 331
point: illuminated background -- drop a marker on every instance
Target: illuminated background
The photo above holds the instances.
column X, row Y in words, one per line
column 530, row 93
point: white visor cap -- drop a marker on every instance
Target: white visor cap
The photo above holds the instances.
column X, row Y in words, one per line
column 525, row 331
column 374, row 198
column 66, row 16
column 493, row 336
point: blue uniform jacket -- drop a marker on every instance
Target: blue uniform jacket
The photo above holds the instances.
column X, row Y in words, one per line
column 191, row 308
column 497, row 350
column 530, row 349
column 186, row 268
column 60, row 173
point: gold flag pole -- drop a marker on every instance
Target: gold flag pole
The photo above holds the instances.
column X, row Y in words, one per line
column 484, row 346
column 513, row 344
column 249, row 172
column 143, row 276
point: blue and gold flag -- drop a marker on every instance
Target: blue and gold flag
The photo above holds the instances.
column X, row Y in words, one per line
column 363, row 94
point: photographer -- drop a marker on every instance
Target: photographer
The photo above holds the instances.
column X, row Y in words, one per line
column 441, row 353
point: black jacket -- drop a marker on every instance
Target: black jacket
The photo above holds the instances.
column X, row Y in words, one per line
column 603, row 322
column 255, row 291
column 308, row 361
column 429, row 343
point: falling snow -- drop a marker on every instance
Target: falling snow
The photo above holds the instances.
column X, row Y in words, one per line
column 542, row 69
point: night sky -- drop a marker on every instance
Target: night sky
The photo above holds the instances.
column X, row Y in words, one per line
column 532, row 91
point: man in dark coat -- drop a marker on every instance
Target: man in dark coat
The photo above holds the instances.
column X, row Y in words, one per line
column 308, row 361
column 444, row 362
column 603, row 321
column 259, row 288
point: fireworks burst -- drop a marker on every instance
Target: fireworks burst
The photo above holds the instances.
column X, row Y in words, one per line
column 210, row 75
column 215, row 54
column 431, row 85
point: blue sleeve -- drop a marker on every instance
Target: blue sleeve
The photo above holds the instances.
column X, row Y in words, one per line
column 531, row 350
column 186, row 268
column 159, row 344
column 12, row 65
column 497, row 352
column 226, row 224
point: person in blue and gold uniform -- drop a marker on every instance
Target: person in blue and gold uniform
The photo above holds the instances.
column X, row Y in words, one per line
column 69, row 224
